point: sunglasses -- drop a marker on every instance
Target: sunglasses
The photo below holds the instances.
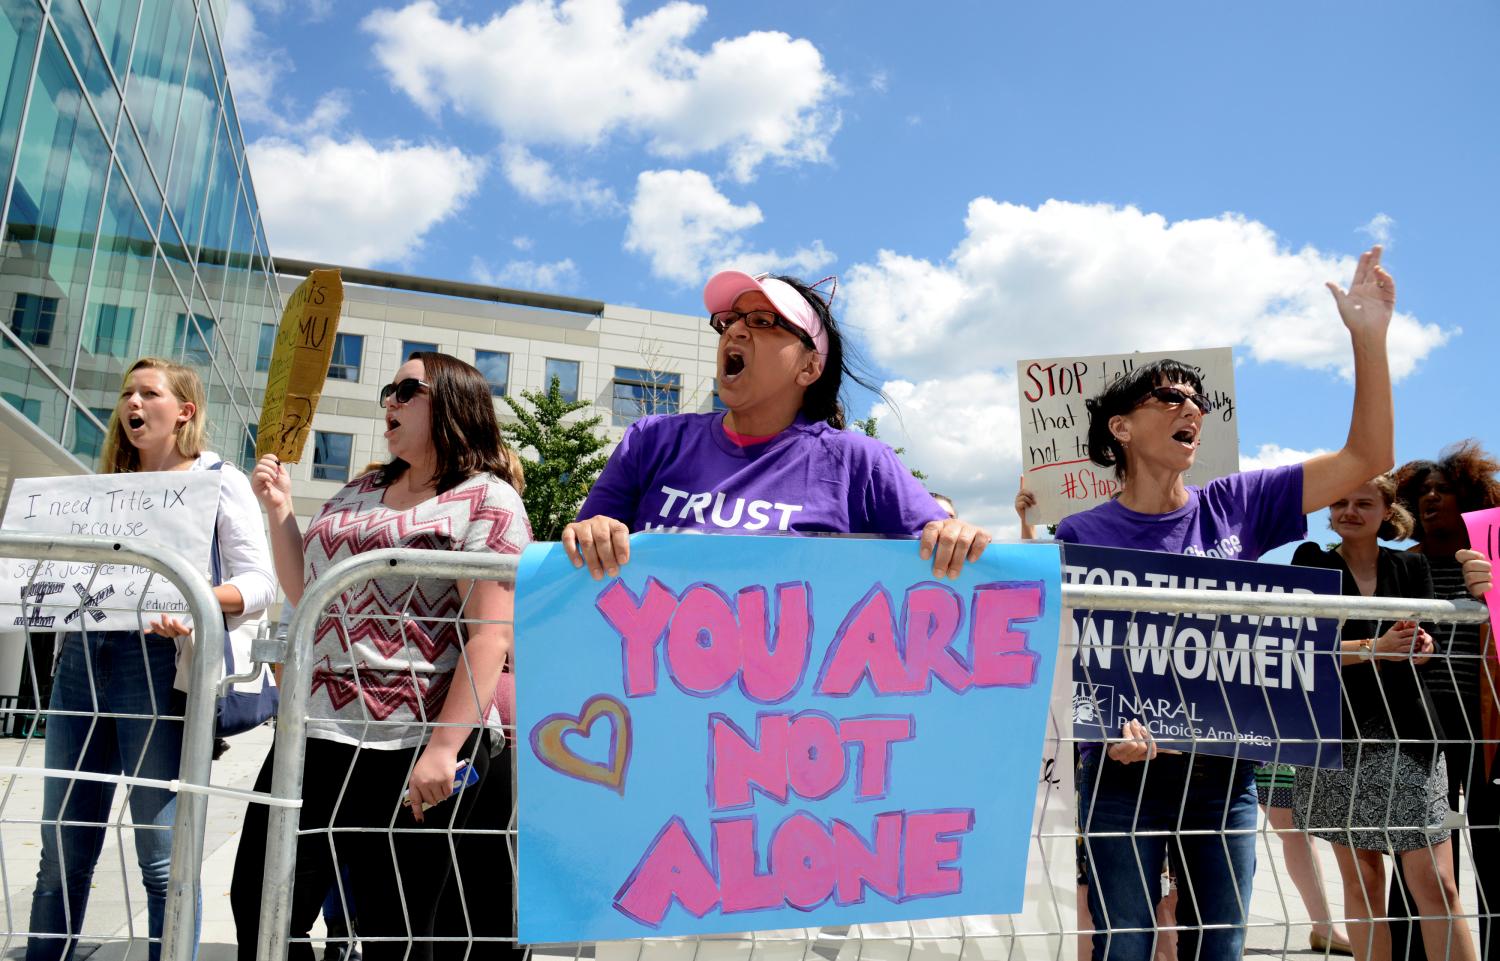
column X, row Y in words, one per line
column 758, row 320
column 402, row 390
column 1172, row 397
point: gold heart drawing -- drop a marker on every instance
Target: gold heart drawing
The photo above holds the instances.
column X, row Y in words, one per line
column 547, row 742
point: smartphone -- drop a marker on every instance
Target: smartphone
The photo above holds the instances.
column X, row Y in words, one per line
column 467, row 775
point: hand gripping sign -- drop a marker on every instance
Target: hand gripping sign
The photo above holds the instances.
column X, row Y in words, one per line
column 299, row 365
column 767, row 732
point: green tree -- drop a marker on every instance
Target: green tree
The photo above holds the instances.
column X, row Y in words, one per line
column 869, row 427
column 569, row 457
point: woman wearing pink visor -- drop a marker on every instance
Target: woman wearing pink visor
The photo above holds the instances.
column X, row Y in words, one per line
column 778, row 461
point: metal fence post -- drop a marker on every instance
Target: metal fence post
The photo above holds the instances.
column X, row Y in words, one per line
column 180, row 931
column 291, row 721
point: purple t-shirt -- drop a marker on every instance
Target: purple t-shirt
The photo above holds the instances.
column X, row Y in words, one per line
column 682, row 472
column 1239, row 517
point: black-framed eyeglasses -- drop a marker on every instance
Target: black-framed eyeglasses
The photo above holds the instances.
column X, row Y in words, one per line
column 1173, row 397
column 722, row 320
column 402, row 390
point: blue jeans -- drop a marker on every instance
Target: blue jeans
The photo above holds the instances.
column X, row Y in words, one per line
column 1214, row 870
column 105, row 673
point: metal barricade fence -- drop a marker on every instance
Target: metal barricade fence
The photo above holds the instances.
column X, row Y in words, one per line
column 1054, row 924
column 191, row 781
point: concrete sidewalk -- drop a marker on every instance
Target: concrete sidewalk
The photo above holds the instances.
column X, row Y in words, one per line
column 115, row 924
column 117, row 908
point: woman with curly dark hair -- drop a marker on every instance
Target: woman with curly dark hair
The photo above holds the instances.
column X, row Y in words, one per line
column 1439, row 493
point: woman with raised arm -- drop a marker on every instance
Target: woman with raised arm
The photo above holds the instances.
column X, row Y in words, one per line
column 136, row 682
column 1147, row 427
column 778, row 460
column 399, row 692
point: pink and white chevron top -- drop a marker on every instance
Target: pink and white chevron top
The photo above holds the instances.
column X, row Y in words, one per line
column 378, row 675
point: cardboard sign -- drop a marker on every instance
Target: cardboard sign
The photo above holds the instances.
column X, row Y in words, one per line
column 1055, row 426
column 1484, row 537
column 1231, row 685
column 167, row 508
column 839, row 740
column 299, row 365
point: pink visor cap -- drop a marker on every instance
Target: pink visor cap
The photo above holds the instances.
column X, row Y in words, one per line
column 725, row 287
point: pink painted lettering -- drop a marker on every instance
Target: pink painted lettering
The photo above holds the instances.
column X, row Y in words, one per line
column 640, row 624
column 860, row 866
column 875, row 736
column 735, row 763
column 932, row 846
column 999, row 652
column 672, row 869
column 773, row 668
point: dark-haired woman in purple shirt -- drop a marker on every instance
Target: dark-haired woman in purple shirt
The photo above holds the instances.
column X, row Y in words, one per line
column 779, row 460
column 1198, row 811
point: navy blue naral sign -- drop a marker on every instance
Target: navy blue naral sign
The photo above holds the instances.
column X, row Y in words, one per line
column 1260, row 688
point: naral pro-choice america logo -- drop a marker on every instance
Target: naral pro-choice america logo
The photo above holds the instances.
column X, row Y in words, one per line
column 1093, row 704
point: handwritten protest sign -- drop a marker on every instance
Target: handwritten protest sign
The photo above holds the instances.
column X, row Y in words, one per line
column 299, row 365
column 165, row 508
column 1484, row 537
column 1055, row 426
column 1228, row 685
column 754, row 733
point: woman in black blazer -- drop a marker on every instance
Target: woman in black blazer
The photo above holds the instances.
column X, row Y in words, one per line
column 1390, row 796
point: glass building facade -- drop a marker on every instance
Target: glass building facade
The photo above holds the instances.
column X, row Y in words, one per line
column 130, row 226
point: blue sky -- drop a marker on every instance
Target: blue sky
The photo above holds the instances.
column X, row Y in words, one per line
column 990, row 181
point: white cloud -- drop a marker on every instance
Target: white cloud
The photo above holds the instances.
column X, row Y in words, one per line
column 559, row 276
column 352, row 202
column 253, row 65
column 880, row 81
column 1067, row 278
column 576, row 72
column 1379, row 228
column 1274, row 455
column 687, row 228
column 522, row 243
column 535, row 180
column 963, row 432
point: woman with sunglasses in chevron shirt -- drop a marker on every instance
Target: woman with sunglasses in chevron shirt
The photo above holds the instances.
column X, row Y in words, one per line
column 778, row 460
column 399, row 690
column 1132, row 799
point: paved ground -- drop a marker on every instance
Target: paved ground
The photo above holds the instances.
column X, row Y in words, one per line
column 113, row 918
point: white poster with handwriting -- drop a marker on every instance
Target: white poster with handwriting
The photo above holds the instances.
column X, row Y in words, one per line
column 174, row 509
column 1055, row 426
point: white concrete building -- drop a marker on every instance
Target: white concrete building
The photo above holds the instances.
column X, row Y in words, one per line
column 625, row 361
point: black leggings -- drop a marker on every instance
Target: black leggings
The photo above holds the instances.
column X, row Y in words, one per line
column 394, row 897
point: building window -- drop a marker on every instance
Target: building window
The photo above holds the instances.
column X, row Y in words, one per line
column 640, row 392
column 247, row 453
column 331, row 453
column 32, row 319
column 266, row 349
column 30, row 407
column 347, row 351
column 112, row 330
column 566, row 372
column 495, row 366
column 409, row 347
column 194, row 341
column 88, row 437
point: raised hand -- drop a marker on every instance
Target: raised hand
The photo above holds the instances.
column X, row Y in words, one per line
column 1367, row 305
